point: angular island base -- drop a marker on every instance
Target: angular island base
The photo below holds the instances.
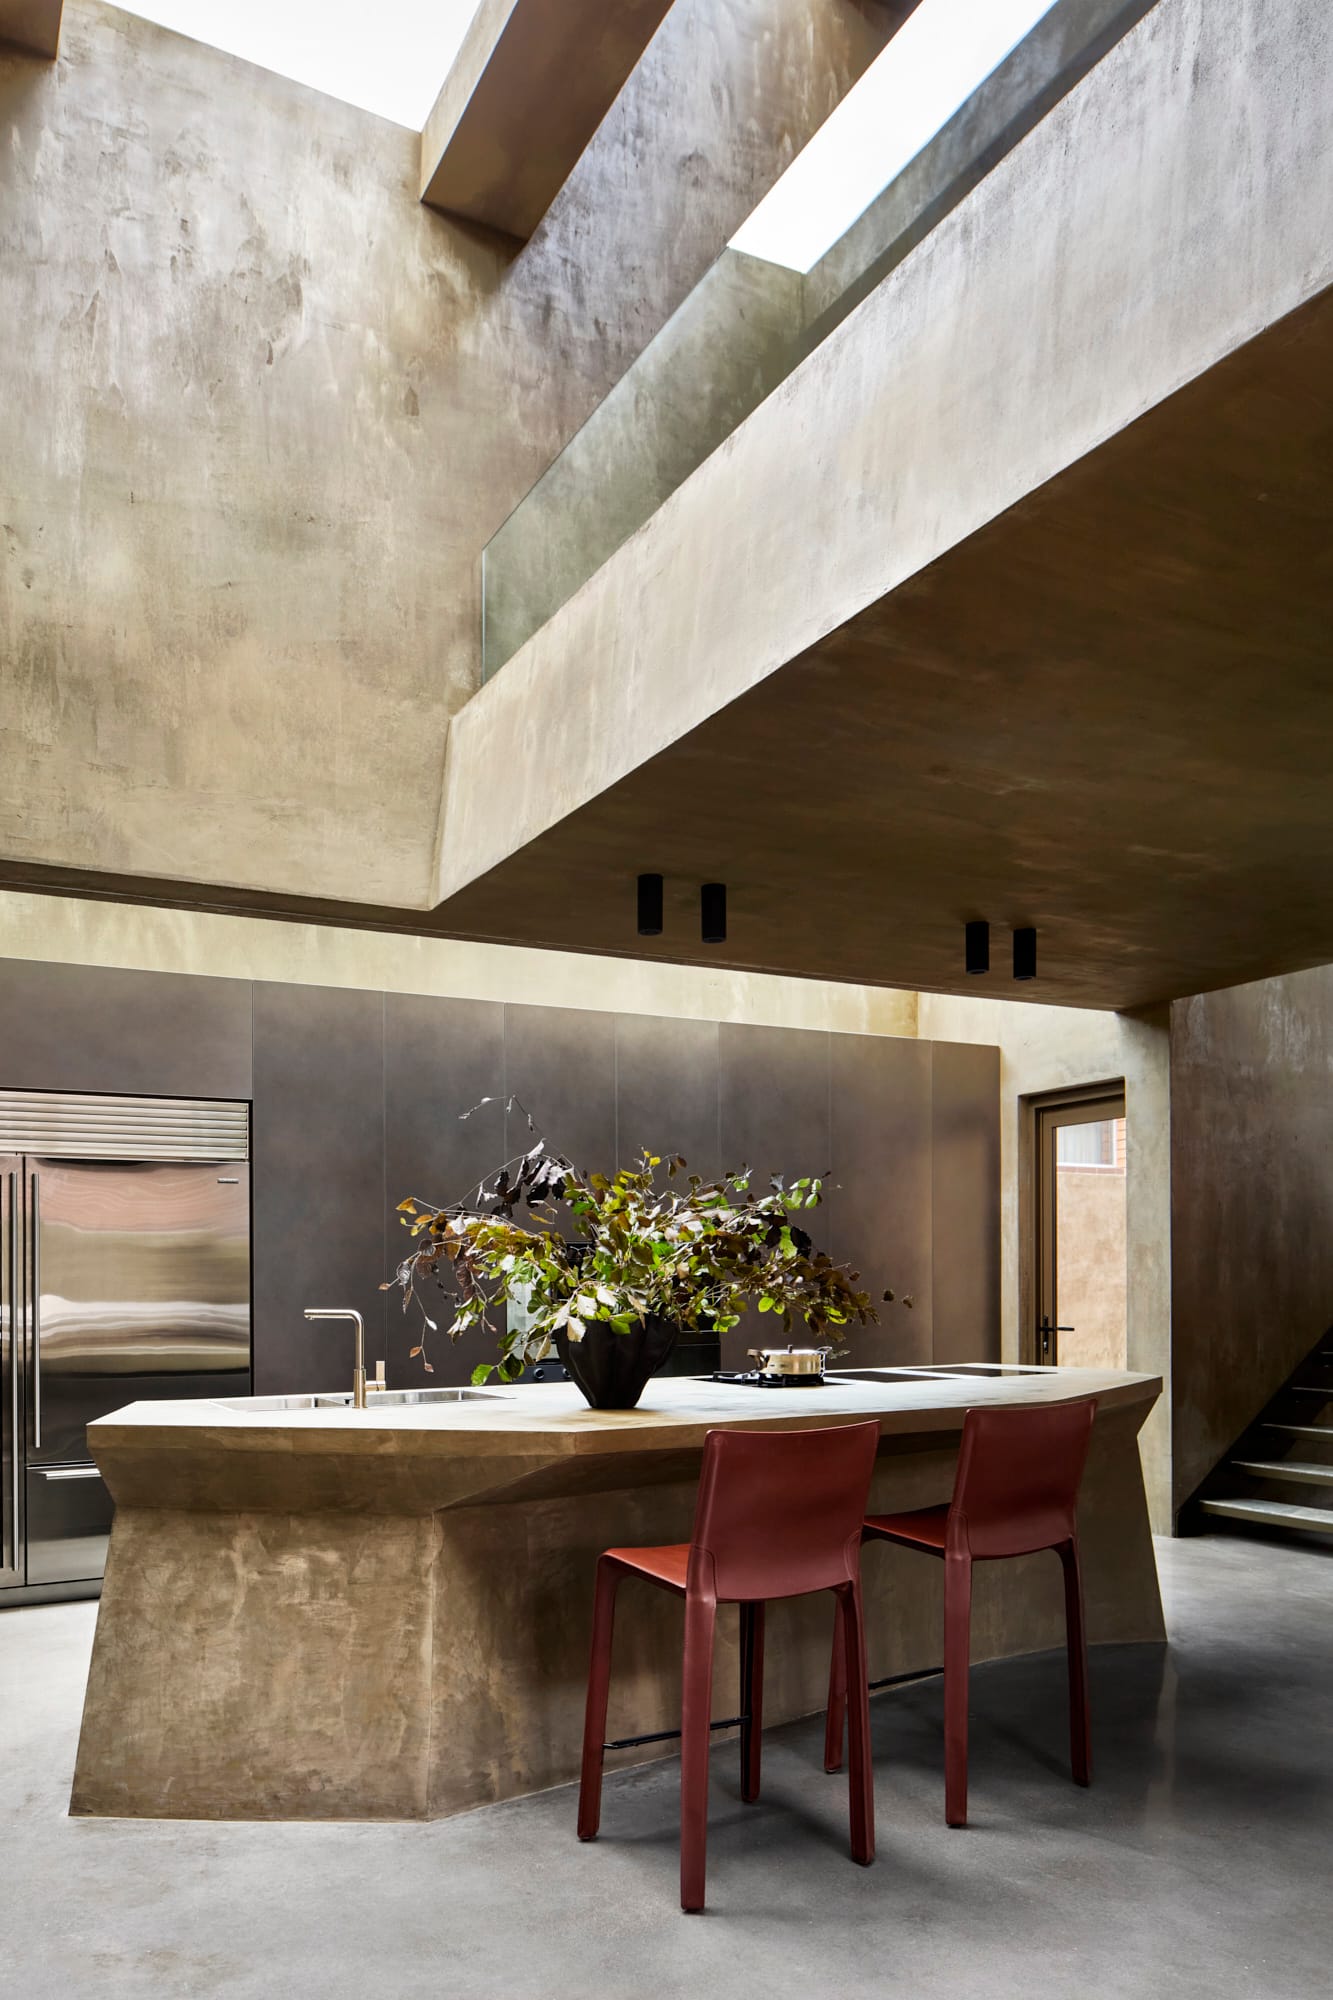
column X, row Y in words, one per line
column 384, row 1614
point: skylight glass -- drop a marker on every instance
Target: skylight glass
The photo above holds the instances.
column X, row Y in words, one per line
column 942, row 53
column 387, row 56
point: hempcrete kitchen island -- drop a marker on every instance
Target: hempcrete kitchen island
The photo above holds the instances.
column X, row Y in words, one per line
column 329, row 1613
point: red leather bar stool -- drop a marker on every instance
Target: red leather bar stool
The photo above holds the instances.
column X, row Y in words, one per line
column 1015, row 1492
column 779, row 1514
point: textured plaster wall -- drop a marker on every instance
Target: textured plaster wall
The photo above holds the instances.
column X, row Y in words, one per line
column 1169, row 209
column 260, row 411
column 70, row 931
column 1058, row 1048
column 1252, row 1203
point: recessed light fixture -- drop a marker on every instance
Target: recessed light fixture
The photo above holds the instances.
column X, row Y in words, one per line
column 977, row 945
column 713, row 912
column 650, row 906
column 1025, row 953
column 942, row 53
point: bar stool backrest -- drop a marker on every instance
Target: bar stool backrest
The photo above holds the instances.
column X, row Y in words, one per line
column 780, row 1512
column 1019, row 1471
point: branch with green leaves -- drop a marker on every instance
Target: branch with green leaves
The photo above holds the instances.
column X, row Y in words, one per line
column 694, row 1252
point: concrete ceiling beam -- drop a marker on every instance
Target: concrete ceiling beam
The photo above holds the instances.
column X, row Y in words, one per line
column 33, row 25
column 926, row 553
column 1108, row 714
column 531, row 84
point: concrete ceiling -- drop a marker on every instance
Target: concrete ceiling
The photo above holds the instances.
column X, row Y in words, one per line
column 1109, row 714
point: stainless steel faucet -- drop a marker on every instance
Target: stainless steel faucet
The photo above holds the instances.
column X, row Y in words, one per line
column 359, row 1372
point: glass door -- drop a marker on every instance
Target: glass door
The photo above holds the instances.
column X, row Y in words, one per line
column 1081, row 1270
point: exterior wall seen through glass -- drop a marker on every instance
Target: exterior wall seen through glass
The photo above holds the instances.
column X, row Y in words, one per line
column 1090, row 1242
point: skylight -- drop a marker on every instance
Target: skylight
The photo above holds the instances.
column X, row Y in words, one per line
column 941, row 54
column 389, row 57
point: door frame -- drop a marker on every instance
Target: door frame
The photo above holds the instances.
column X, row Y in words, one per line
column 1036, row 1182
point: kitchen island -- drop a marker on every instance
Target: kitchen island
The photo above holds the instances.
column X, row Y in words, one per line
column 317, row 1612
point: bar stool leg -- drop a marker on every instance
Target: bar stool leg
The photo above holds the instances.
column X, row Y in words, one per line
column 837, row 1693
column 957, row 1657
column 696, row 1715
column 860, row 1773
column 1076, row 1640
column 599, row 1687
column 752, row 1698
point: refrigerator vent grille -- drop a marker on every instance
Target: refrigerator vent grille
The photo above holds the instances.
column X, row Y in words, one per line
column 123, row 1128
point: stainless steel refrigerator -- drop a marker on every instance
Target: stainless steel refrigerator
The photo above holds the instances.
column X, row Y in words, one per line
column 124, row 1276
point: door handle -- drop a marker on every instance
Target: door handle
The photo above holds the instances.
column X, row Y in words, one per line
column 36, row 1268
column 68, row 1472
column 11, row 1308
column 1045, row 1332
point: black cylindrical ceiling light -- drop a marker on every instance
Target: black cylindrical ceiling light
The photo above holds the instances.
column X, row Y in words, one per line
column 713, row 912
column 650, row 906
column 977, row 945
column 1025, row 953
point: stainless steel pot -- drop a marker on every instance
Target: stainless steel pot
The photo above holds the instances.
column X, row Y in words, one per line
column 790, row 1360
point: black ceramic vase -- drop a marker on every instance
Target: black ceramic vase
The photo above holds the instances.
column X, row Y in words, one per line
column 612, row 1368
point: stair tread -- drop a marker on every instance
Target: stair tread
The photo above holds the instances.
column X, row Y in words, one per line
column 1286, row 1468
column 1302, row 1430
column 1276, row 1513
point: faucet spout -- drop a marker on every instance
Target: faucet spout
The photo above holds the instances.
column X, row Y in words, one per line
column 359, row 1371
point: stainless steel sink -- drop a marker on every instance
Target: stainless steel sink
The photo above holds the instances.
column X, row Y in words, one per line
column 397, row 1398
column 342, row 1400
column 262, row 1405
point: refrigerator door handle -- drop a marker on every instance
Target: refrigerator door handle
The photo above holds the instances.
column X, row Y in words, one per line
column 35, row 1306
column 12, row 1304
column 68, row 1472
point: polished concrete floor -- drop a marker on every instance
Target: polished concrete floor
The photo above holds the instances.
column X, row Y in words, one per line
column 1198, row 1865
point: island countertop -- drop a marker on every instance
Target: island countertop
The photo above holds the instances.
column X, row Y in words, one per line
column 498, row 1441
column 322, row 1612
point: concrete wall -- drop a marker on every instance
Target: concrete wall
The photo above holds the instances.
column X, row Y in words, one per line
column 744, row 328
column 260, row 411
column 725, row 348
column 70, row 931
column 1046, row 1049
column 1252, row 1203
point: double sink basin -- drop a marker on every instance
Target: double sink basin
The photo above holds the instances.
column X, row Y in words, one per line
column 376, row 1399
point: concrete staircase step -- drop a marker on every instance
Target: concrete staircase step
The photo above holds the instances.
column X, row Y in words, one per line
column 1272, row 1514
column 1284, row 1468
column 1324, row 1431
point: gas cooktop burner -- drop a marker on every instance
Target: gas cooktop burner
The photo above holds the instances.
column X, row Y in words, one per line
column 754, row 1380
